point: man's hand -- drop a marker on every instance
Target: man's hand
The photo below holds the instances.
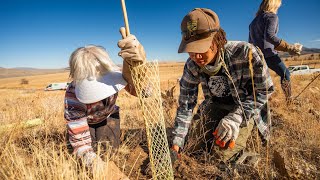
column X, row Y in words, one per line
column 227, row 130
column 131, row 50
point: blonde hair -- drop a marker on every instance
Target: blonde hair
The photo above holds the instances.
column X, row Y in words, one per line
column 90, row 61
column 269, row 6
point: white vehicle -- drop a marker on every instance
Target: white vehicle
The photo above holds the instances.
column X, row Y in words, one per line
column 57, row 86
column 302, row 69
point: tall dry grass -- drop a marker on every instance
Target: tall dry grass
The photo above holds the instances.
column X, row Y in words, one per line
column 37, row 153
column 41, row 153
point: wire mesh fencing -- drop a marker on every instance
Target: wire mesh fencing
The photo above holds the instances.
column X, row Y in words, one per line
column 147, row 83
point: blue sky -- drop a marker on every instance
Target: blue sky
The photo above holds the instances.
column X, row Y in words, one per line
column 43, row 33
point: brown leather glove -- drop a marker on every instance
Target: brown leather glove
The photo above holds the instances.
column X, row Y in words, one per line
column 133, row 54
column 286, row 47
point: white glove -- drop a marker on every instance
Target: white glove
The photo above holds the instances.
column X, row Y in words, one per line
column 131, row 50
column 227, row 130
column 298, row 48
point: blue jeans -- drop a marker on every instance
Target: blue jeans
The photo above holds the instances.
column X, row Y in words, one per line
column 276, row 64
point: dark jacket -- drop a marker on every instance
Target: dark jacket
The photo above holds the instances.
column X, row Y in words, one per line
column 263, row 33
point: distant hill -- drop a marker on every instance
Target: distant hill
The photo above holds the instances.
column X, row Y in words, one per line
column 26, row 71
column 304, row 51
column 26, row 68
column 307, row 53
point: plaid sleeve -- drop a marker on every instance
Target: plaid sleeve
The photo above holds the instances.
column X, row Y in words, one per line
column 256, row 107
column 187, row 101
column 251, row 83
column 77, row 125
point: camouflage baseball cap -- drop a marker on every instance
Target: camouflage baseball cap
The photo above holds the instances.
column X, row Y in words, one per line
column 198, row 28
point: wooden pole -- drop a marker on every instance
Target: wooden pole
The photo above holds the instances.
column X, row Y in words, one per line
column 125, row 16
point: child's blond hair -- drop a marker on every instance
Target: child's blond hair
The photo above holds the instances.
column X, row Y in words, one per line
column 90, row 61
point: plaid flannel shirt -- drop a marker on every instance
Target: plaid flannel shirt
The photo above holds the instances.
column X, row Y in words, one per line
column 79, row 115
column 236, row 58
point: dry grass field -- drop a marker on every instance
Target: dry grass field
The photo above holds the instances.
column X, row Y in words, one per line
column 40, row 152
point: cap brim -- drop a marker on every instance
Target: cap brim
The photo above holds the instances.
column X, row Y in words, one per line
column 90, row 91
column 197, row 46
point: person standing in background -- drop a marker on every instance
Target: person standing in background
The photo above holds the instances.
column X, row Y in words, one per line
column 263, row 34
